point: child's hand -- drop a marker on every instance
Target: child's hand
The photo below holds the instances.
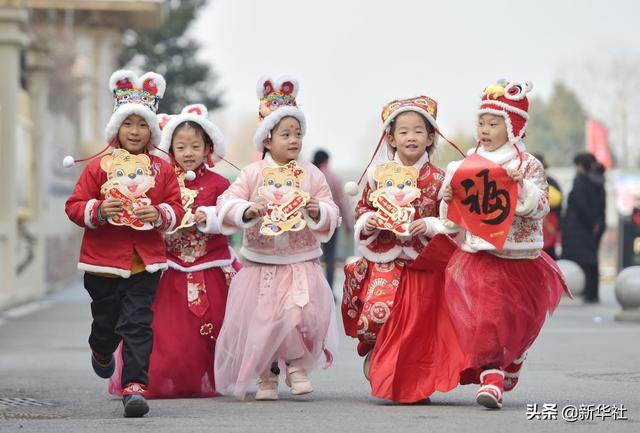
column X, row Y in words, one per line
column 418, row 227
column 147, row 214
column 514, row 174
column 111, row 207
column 313, row 208
column 200, row 218
column 254, row 211
column 372, row 223
column 448, row 193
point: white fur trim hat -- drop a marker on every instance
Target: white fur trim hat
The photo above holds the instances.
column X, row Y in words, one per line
column 135, row 95
column 196, row 113
column 277, row 101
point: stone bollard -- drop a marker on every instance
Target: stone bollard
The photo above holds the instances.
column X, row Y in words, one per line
column 573, row 276
column 627, row 290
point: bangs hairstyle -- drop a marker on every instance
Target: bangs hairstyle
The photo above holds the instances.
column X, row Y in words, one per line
column 199, row 130
column 429, row 127
column 265, row 150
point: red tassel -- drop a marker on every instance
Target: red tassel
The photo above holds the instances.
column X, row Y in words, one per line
column 375, row 152
column 114, row 142
column 451, row 143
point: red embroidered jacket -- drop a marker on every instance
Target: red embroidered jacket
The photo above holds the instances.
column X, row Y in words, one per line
column 108, row 248
column 383, row 246
column 194, row 248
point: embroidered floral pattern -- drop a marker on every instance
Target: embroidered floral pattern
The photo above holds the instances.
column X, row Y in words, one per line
column 188, row 244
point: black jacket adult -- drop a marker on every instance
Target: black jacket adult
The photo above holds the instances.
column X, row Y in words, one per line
column 584, row 220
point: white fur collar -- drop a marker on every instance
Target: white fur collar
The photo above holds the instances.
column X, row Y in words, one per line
column 269, row 159
column 501, row 155
column 419, row 163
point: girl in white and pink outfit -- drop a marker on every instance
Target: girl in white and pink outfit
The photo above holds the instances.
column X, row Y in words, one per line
column 280, row 311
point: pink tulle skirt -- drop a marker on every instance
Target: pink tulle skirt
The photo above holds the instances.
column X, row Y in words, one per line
column 499, row 305
column 275, row 313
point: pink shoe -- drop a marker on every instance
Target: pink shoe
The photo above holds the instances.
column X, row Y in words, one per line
column 492, row 385
column 511, row 373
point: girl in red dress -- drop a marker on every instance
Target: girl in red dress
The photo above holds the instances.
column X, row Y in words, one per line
column 191, row 298
column 393, row 306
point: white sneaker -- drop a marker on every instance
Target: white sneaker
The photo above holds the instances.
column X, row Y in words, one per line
column 297, row 379
column 366, row 366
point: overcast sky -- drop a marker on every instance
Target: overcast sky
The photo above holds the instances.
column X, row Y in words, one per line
column 353, row 56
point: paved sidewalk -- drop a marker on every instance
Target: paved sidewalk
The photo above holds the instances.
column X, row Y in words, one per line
column 583, row 357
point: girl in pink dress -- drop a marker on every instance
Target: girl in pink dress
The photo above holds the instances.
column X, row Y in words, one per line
column 280, row 312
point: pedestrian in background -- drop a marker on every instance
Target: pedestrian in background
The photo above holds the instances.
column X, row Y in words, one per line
column 321, row 160
column 584, row 221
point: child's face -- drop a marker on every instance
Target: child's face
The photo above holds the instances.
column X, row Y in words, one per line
column 492, row 132
column 285, row 143
column 134, row 134
column 189, row 148
column 410, row 137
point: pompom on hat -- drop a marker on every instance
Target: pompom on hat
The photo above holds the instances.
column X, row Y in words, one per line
column 132, row 95
column 423, row 105
column 277, row 101
column 196, row 113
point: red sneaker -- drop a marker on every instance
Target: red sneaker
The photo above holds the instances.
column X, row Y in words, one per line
column 135, row 405
column 490, row 393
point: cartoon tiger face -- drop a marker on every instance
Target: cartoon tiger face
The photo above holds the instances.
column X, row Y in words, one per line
column 398, row 182
column 280, row 183
column 130, row 174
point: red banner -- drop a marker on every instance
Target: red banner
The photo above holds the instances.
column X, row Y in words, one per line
column 484, row 199
column 598, row 142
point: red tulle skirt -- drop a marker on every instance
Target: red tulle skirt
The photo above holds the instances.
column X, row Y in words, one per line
column 499, row 305
column 184, row 335
column 417, row 350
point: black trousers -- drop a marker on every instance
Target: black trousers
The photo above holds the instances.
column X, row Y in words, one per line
column 121, row 310
column 329, row 257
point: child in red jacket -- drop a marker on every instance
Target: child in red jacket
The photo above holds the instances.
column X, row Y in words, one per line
column 124, row 201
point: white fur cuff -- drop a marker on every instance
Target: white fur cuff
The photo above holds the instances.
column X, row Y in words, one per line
column 447, row 225
column 90, row 213
column 434, row 226
column 528, row 198
column 212, row 225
